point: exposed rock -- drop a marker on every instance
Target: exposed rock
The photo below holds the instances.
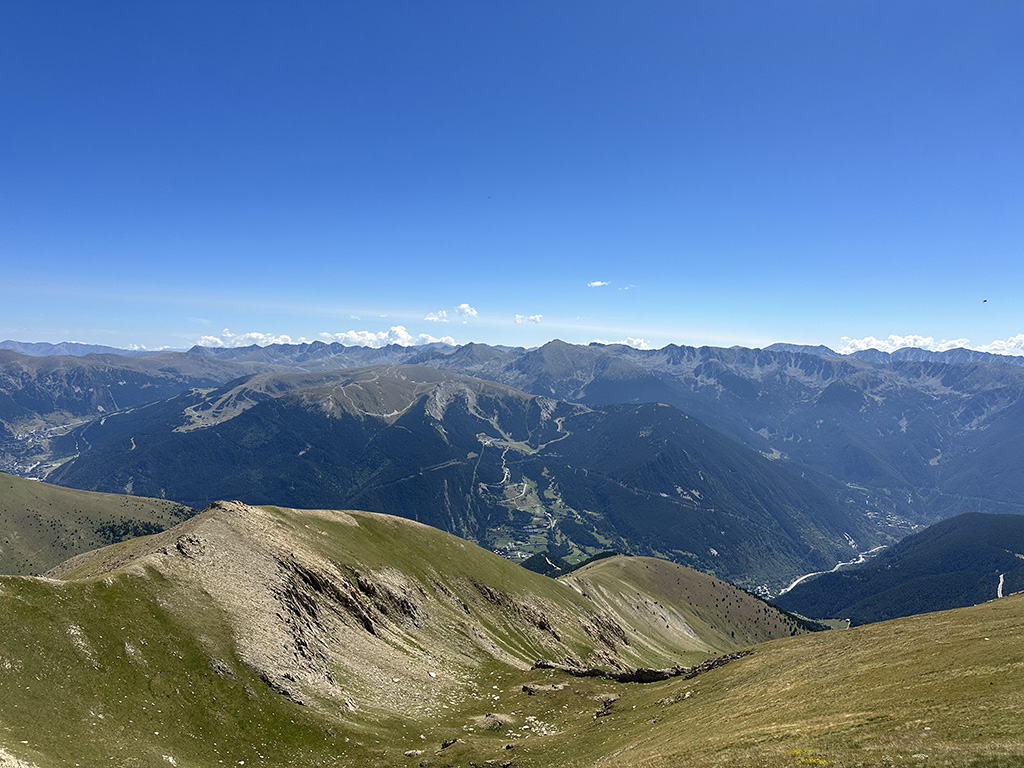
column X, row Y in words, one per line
column 191, row 546
column 392, row 596
column 533, row 616
column 7, row 760
column 673, row 699
column 643, row 674
column 533, row 689
column 493, row 722
column 606, row 700
column 339, row 590
column 221, row 668
column 606, row 630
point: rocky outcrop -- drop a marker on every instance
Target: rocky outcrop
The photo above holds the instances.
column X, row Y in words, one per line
column 642, row 674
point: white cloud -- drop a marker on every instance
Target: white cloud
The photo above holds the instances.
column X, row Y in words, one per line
column 520, row 319
column 464, row 310
column 598, row 284
column 629, row 341
column 229, row 339
column 893, row 342
column 144, row 348
column 397, row 334
column 437, row 317
column 1011, row 346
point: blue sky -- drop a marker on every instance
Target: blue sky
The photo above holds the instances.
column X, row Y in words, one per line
column 730, row 172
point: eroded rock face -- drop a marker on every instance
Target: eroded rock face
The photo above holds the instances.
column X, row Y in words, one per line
column 335, row 634
column 394, row 595
column 642, row 674
column 320, row 612
column 532, row 615
column 190, row 546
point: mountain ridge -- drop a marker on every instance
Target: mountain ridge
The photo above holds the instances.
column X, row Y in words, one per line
column 354, row 639
column 512, row 470
column 320, row 621
column 904, row 442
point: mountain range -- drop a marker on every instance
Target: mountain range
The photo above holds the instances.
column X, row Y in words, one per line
column 875, row 446
column 74, row 348
column 518, row 473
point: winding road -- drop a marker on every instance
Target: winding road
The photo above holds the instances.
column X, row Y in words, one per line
column 863, row 556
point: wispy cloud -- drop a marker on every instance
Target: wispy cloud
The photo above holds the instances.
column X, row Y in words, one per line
column 440, row 316
column 520, row 319
column 629, row 341
column 1014, row 345
column 598, row 284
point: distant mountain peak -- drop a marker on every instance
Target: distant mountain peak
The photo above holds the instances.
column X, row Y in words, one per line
column 954, row 356
column 70, row 348
column 821, row 350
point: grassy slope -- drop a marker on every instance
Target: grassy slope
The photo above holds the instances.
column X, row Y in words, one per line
column 667, row 604
column 176, row 652
column 937, row 689
column 42, row 525
column 148, row 638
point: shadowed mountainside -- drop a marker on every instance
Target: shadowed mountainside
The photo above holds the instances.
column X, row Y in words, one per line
column 962, row 561
column 516, row 472
column 910, row 434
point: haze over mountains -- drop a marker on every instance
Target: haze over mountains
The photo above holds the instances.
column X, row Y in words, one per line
column 558, row 446
column 73, row 348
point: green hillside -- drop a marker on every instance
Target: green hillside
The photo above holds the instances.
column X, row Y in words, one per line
column 325, row 637
column 41, row 525
column 941, row 689
column 265, row 636
column 675, row 605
